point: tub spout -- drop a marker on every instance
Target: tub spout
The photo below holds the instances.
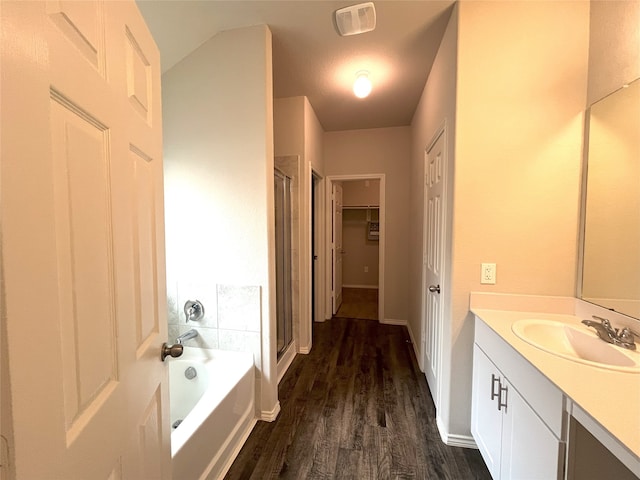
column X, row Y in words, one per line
column 186, row 336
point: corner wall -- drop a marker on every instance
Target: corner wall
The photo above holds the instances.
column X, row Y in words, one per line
column 218, row 156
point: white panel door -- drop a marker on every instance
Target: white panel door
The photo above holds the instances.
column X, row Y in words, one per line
column 435, row 168
column 83, row 241
column 336, row 247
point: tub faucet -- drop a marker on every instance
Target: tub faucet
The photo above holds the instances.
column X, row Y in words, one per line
column 186, row 336
column 622, row 338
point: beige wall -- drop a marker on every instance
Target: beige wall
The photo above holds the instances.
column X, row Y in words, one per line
column 313, row 138
column 358, row 193
column 288, row 126
column 360, row 251
column 218, row 126
column 377, row 151
column 614, row 47
column 522, row 80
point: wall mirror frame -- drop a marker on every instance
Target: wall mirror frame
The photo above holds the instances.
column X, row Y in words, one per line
column 609, row 253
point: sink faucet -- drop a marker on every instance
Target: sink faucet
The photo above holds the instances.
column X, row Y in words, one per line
column 622, row 338
column 186, row 336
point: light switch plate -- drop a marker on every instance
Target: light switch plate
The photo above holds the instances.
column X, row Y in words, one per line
column 488, row 274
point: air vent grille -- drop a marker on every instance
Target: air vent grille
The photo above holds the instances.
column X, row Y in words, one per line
column 356, row 19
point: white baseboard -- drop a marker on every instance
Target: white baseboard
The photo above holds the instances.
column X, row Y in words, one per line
column 304, row 350
column 453, row 440
column 393, row 321
column 416, row 348
column 375, row 287
column 270, row 416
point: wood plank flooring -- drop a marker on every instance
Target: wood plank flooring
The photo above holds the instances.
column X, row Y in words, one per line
column 356, row 407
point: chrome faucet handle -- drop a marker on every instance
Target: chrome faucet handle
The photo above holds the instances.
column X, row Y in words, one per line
column 625, row 339
column 606, row 324
column 193, row 310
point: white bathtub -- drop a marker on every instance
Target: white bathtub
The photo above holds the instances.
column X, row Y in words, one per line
column 216, row 409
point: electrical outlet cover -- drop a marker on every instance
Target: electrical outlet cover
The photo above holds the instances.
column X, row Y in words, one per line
column 488, row 274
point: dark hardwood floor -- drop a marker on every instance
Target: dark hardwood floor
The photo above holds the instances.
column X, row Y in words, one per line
column 356, row 407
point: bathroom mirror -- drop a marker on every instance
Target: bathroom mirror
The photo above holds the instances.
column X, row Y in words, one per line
column 611, row 203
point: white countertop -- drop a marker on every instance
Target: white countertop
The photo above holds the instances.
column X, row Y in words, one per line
column 610, row 398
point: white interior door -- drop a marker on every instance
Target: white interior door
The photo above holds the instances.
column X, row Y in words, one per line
column 336, row 247
column 83, row 241
column 435, row 168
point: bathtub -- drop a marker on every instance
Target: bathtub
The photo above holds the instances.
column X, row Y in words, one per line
column 213, row 412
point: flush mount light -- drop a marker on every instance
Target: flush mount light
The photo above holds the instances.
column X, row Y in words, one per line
column 362, row 85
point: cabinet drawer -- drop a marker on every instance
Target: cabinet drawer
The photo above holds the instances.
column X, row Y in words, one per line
column 542, row 395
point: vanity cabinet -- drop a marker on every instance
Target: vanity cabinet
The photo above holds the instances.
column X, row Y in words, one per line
column 517, row 415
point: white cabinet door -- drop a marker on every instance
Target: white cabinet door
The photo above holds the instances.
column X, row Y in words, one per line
column 486, row 419
column 514, row 442
column 530, row 451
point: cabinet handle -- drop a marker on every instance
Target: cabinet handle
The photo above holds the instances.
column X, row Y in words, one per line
column 500, row 403
column 495, row 394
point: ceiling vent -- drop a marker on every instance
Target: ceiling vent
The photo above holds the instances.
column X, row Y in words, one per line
column 356, row 19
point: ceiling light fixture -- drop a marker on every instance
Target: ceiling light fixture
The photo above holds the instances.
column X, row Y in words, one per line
column 362, row 85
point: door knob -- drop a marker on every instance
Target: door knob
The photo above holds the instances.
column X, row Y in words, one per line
column 434, row 288
column 170, row 351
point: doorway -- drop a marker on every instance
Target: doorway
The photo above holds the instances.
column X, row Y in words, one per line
column 355, row 240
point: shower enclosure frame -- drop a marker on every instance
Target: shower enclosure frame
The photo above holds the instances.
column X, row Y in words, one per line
column 283, row 236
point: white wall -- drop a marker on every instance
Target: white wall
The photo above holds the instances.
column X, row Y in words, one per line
column 381, row 151
column 218, row 150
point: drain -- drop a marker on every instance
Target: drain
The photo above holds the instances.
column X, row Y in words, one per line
column 190, row 373
column 176, row 423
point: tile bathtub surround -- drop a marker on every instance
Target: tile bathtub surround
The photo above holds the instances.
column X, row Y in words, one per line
column 206, row 293
column 239, row 308
column 207, row 337
column 232, row 316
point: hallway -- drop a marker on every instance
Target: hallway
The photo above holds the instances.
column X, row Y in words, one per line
column 356, row 407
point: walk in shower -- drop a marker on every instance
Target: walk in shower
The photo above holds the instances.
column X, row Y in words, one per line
column 282, row 191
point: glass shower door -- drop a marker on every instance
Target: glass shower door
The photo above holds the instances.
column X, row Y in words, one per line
column 282, row 190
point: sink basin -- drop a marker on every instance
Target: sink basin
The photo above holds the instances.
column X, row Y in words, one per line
column 576, row 343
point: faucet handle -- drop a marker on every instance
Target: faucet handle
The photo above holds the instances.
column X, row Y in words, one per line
column 602, row 320
column 625, row 339
column 627, row 333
